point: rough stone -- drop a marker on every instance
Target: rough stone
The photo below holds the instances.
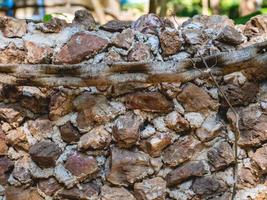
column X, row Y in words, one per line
column 126, row 130
column 195, row 99
column 247, row 178
column 124, row 39
column 221, row 155
column 156, row 144
column 170, row 42
column 230, row 36
column 12, row 55
column 15, row 193
column 13, row 27
column 140, row 52
column 21, row 170
column 148, row 101
column 256, row 26
column 49, row 186
column 45, row 153
column 150, row 189
column 69, row 133
column 116, row 25
column 40, row 128
column 195, row 119
column 17, row 138
column 74, row 52
column 3, row 145
column 180, row 151
column 37, row 54
column 185, row 172
column 84, row 20
column 6, row 165
column 127, row 167
column 112, row 56
column 176, row 122
column 55, row 25
column 115, row 193
column 11, row 114
column 260, row 158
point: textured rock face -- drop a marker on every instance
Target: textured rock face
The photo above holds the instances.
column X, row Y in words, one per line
column 69, row 133
column 124, row 39
column 38, row 54
column 140, row 52
column 13, row 27
column 259, row 157
column 114, row 193
column 170, row 42
column 12, row 55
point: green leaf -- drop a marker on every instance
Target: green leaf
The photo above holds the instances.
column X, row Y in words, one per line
column 47, row 18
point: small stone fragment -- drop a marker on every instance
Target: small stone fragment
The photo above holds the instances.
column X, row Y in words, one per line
column 148, row 101
column 69, row 133
column 126, row 130
column 150, row 189
column 45, row 153
column 185, row 172
column 40, row 128
column 74, row 51
column 260, row 158
column 3, row 143
column 115, row 193
column 6, row 165
column 37, row 54
column 12, row 55
column 221, row 155
column 124, row 39
column 49, row 186
column 84, row 19
column 55, row 25
column 256, row 26
column 116, row 25
column 15, row 193
column 176, row 122
column 17, row 138
column 170, row 42
column 13, row 27
column 195, row 119
column 140, row 52
column 230, row 35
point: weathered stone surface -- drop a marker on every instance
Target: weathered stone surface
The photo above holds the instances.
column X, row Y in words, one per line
column 150, row 189
column 55, row 25
column 148, row 101
column 256, row 26
column 69, row 133
column 180, row 151
column 170, row 42
column 84, row 19
column 11, row 114
column 97, row 138
column 115, row 193
column 49, row 186
column 116, row 25
column 128, row 167
column 13, row 27
column 17, row 138
column 124, row 39
column 156, row 143
column 3, row 145
column 247, row 177
column 60, row 105
column 81, row 165
column 21, row 170
column 207, row 186
column 240, row 95
column 185, row 172
column 194, row 36
column 74, row 51
column 260, row 158
column 15, row 193
column 40, row 128
column 230, row 36
column 140, row 52
column 12, row 55
column 195, row 99
column 176, row 122
column 221, row 155
column 126, row 130
column 195, row 119
column 38, row 54
column 86, row 191
column 149, row 23
column 45, row 153
column 6, row 165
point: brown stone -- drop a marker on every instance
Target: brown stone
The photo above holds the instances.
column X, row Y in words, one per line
column 194, row 36
column 17, row 138
column 11, row 114
column 55, row 25
column 148, row 101
column 240, row 95
column 3, row 145
column 15, row 193
column 45, row 154
column 10, row 93
column 185, row 172
column 97, row 138
column 156, row 143
column 247, row 178
column 84, row 19
column 126, row 130
column 230, row 35
column 116, row 25
column 60, row 105
column 256, row 26
column 176, row 122
column 12, row 55
column 124, row 39
column 40, row 128
column 36, row 104
column 127, row 167
column 69, row 133
column 207, row 186
column 86, row 191
column 6, row 165
column 13, row 27
column 49, row 186
column 221, row 155
column 180, row 151
column 260, row 158
column 115, row 193
column 81, row 165
column 21, row 171
column 170, row 42
column 140, row 52
column 195, row 99
column 37, row 54
column 74, row 51
column 112, row 57
column 150, row 189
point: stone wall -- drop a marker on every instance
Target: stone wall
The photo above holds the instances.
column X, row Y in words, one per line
column 131, row 141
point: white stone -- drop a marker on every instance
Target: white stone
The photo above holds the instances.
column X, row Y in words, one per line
column 195, row 119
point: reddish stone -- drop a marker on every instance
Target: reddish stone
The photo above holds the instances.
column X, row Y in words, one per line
column 38, row 54
column 170, row 42
column 84, row 19
column 148, row 101
column 45, row 154
column 12, row 55
column 140, row 52
column 13, row 27
column 75, row 51
column 40, row 128
column 115, row 193
column 116, row 25
column 12, row 114
column 69, row 133
column 124, row 39
column 15, row 193
column 49, row 186
column 6, row 165
column 260, row 158
column 247, row 178
column 81, row 165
